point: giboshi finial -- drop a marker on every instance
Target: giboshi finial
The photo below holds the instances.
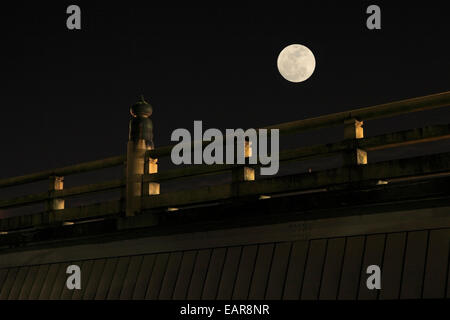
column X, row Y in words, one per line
column 141, row 108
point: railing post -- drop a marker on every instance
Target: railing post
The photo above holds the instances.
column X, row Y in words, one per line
column 140, row 139
column 353, row 130
column 55, row 184
column 150, row 188
column 244, row 173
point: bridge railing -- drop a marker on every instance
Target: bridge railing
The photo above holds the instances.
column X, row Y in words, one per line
column 54, row 198
column 142, row 182
column 353, row 147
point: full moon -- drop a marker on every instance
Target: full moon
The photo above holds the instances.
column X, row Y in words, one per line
column 296, row 63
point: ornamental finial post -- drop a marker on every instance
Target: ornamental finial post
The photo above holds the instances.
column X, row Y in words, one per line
column 141, row 126
column 140, row 139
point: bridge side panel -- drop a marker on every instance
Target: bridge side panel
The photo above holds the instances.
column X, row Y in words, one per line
column 413, row 264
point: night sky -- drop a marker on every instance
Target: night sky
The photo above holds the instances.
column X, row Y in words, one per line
column 66, row 94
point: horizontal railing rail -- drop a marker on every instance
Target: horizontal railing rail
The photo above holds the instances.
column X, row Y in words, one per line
column 379, row 142
column 370, row 113
column 353, row 147
column 67, row 193
column 330, row 179
column 386, row 110
column 374, row 173
column 73, row 169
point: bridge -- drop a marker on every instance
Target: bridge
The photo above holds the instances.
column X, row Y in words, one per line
column 306, row 234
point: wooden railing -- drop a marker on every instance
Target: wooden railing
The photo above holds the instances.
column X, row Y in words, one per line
column 356, row 171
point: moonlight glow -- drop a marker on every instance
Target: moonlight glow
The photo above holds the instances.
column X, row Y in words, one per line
column 296, row 63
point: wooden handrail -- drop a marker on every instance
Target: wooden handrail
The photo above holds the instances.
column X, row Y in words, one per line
column 385, row 110
column 401, row 168
column 379, row 111
column 437, row 164
column 369, row 113
column 384, row 141
column 73, row 169
column 66, row 193
column 389, row 140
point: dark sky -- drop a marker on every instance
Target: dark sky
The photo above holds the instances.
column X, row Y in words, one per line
column 66, row 94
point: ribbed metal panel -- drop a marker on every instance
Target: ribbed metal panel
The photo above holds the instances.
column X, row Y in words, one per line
column 413, row 264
